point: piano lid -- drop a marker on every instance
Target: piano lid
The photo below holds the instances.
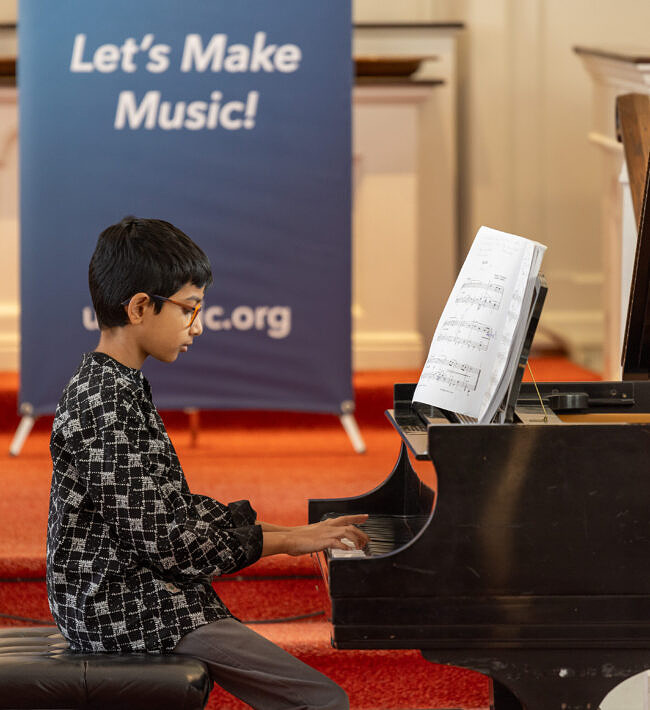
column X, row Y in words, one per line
column 633, row 122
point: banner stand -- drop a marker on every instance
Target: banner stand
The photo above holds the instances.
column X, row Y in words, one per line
column 233, row 122
column 347, row 419
column 22, row 432
column 352, row 430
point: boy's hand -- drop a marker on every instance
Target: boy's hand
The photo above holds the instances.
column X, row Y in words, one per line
column 326, row 534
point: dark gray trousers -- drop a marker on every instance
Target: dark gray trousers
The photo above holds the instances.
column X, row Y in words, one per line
column 259, row 672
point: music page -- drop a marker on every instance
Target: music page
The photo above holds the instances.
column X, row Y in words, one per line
column 473, row 341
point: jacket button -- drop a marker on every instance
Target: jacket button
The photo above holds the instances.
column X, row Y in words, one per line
column 171, row 587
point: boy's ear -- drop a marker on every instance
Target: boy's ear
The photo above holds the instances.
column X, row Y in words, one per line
column 136, row 307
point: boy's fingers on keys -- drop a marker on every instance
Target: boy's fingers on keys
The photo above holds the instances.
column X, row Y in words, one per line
column 346, row 541
column 351, row 519
column 358, row 537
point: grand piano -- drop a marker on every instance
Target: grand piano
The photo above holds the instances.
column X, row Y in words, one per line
column 522, row 549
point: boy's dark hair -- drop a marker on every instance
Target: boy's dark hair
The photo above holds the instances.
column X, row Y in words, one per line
column 147, row 255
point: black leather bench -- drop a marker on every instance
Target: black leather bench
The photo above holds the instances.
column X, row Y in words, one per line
column 38, row 671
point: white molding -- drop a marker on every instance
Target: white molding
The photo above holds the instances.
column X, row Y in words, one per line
column 392, row 94
column 9, row 311
column 626, row 75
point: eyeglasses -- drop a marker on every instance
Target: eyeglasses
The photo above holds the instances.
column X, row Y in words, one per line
column 188, row 309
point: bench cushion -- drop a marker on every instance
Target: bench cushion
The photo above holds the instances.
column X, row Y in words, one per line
column 37, row 670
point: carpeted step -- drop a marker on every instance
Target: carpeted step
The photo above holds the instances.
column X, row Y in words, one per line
column 252, row 600
column 24, row 603
column 32, row 566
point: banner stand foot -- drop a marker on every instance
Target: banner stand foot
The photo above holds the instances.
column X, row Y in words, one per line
column 354, row 434
column 22, row 432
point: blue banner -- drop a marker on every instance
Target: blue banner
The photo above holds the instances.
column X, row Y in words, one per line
column 232, row 121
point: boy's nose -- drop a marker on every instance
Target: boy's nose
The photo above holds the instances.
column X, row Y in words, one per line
column 197, row 327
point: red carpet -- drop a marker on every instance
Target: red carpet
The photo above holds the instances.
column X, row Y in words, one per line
column 278, row 461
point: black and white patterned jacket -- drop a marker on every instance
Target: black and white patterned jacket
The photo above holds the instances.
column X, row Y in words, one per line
column 130, row 551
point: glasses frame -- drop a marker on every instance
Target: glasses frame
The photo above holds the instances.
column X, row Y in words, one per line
column 195, row 309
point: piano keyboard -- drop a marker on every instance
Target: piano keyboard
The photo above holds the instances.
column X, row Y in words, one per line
column 386, row 533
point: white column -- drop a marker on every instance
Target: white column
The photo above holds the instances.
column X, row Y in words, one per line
column 405, row 195
column 385, row 227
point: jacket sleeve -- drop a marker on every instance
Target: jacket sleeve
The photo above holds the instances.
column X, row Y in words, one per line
column 149, row 515
column 233, row 515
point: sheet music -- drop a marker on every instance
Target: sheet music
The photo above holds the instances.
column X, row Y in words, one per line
column 476, row 340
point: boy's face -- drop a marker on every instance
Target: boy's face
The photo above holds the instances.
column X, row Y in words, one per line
column 166, row 334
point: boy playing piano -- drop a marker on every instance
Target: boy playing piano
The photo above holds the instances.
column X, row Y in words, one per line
column 131, row 552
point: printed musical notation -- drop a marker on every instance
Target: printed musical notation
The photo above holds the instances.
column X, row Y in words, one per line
column 474, row 351
column 460, row 376
column 484, row 294
column 454, row 331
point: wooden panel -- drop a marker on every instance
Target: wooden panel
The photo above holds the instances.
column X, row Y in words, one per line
column 636, row 345
column 633, row 122
column 633, row 125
